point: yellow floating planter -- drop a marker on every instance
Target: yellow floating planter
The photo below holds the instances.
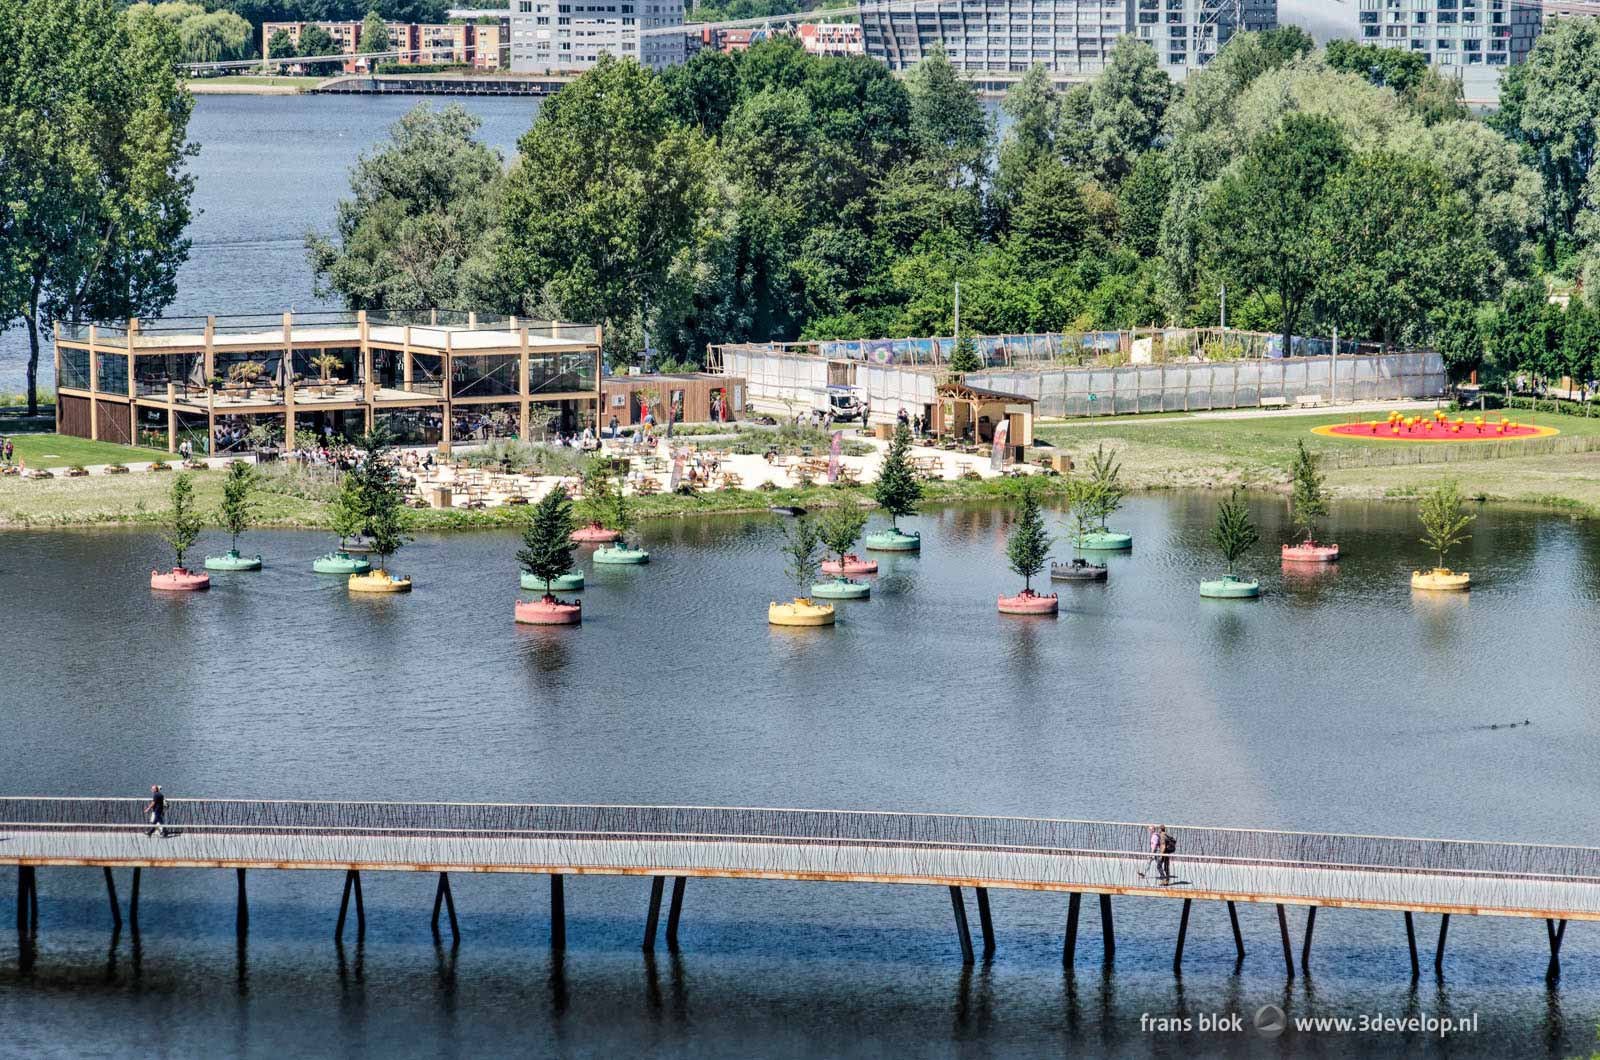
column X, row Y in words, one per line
column 1441, row 579
column 801, row 612
column 379, row 581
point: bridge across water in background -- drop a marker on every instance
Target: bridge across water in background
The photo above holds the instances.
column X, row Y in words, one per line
column 1230, row 865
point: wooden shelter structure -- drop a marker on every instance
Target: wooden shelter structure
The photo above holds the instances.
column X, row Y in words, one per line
column 972, row 414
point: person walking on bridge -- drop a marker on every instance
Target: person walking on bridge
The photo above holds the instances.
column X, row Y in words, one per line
column 157, row 809
column 1155, row 850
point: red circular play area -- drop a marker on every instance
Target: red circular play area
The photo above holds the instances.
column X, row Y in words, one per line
column 1437, row 427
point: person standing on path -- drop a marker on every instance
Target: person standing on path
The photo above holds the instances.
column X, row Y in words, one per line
column 1169, row 843
column 1155, row 851
column 157, row 809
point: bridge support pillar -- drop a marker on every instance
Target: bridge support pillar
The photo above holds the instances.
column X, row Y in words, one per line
column 959, row 907
column 1069, row 949
column 1283, row 932
column 133, row 902
column 111, row 894
column 674, row 911
column 657, row 884
column 1438, row 953
column 1556, row 935
column 443, row 895
column 27, row 900
column 558, row 912
column 1238, row 937
column 352, row 882
column 985, row 921
column 1183, row 932
column 1107, row 928
column 1411, row 943
column 1305, row 947
column 241, row 914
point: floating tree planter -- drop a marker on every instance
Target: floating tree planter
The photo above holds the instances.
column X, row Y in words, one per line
column 233, row 561
column 621, row 554
column 1310, row 552
column 801, row 612
column 179, row 580
column 1079, row 570
column 548, row 611
column 850, row 564
column 842, row 589
column 1105, row 541
column 594, row 534
column 1441, row 579
column 1029, row 602
column 894, row 541
column 1230, row 588
column 340, row 562
column 566, row 583
column 378, row 581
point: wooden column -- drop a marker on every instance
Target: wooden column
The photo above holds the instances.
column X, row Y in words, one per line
column 368, row 386
column 94, row 388
column 133, row 411
column 56, row 347
column 522, row 384
column 447, row 421
column 172, row 417
column 209, row 357
column 288, row 381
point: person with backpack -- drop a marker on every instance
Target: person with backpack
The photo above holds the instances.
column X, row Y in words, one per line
column 1169, row 843
column 1155, row 851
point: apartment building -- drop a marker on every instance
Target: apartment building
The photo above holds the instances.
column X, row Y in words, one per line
column 554, row 36
column 832, row 38
column 1071, row 38
column 1474, row 40
column 466, row 43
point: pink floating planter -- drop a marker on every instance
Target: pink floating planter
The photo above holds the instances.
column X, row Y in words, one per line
column 180, row 579
column 1029, row 602
column 594, row 534
column 1310, row 552
column 853, row 564
column 548, row 611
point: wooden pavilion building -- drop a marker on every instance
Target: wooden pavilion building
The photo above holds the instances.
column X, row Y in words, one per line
column 430, row 378
column 972, row 414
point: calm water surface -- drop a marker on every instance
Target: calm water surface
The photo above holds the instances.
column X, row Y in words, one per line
column 1338, row 701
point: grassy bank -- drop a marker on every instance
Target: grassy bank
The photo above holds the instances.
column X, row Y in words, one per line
column 289, row 501
column 247, row 84
column 1185, row 452
column 62, row 450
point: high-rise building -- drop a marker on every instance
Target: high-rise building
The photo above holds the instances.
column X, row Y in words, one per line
column 1072, row 38
column 548, row 36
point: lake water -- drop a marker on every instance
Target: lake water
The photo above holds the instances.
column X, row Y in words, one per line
column 271, row 168
column 1339, row 701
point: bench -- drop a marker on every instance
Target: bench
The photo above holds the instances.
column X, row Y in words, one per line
column 1309, row 401
column 1274, row 403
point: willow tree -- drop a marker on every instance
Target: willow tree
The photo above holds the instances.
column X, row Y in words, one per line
column 94, row 197
column 1028, row 547
column 898, row 491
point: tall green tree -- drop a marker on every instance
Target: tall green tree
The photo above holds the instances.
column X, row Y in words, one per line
column 420, row 228
column 381, row 497
column 1028, row 546
column 280, row 46
column 183, row 523
column 316, row 41
column 946, row 115
column 1034, row 108
column 94, row 197
column 1444, row 523
column 1308, row 501
column 1127, row 103
column 547, row 546
column 604, row 203
column 374, row 35
column 347, row 512
column 898, row 491
column 1260, row 234
column 239, row 505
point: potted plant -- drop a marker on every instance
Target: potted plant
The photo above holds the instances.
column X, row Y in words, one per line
column 1308, row 503
column 346, row 515
column 598, row 486
column 616, row 514
column 1444, row 526
column 247, row 373
column 77, row 471
column 1027, row 551
column 326, row 364
column 235, row 513
column 116, row 469
column 1105, row 475
column 1234, row 535
column 183, row 526
column 382, row 501
column 546, row 558
column 897, row 491
column 838, row 530
column 1082, row 508
column 160, row 465
column 800, row 544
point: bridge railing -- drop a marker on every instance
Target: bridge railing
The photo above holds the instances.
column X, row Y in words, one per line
column 847, row 828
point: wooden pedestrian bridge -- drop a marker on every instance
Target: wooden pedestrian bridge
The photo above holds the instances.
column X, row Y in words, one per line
column 1227, row 865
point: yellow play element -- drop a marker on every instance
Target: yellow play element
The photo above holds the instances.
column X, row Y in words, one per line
column 378, row 581
column 801, row 612
column 1441, row 579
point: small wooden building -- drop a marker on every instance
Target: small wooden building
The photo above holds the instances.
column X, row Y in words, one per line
column 971, row 414
column 696, row 397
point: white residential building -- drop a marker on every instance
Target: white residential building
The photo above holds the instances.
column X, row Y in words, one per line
column 558, row 36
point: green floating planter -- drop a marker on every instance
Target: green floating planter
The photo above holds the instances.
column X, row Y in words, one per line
column 1230, row 588
column 567, row 583
column 1105, row 541
column 340, row 562
column 841, row 589
column 894, row 541
column 233, row 561
column 621, row 554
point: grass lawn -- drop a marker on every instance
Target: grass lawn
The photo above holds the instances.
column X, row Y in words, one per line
column 60, row 450
column 258, row 81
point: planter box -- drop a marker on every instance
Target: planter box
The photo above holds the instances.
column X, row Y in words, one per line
column 116, row 471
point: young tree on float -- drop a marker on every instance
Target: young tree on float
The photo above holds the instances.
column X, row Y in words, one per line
column 183, row 521
column 381, row 498
column 1234, row 533
column 1028, row 547
column 1444, row 524
column 898, row 490
column 800, row 544
column 547, row 546
column 1105, row 478
column 1309, row 501
column 839, row 530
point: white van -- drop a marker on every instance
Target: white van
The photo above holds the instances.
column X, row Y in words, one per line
column 844, row 402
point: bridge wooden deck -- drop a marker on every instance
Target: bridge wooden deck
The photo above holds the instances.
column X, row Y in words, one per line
column 1449, row 877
